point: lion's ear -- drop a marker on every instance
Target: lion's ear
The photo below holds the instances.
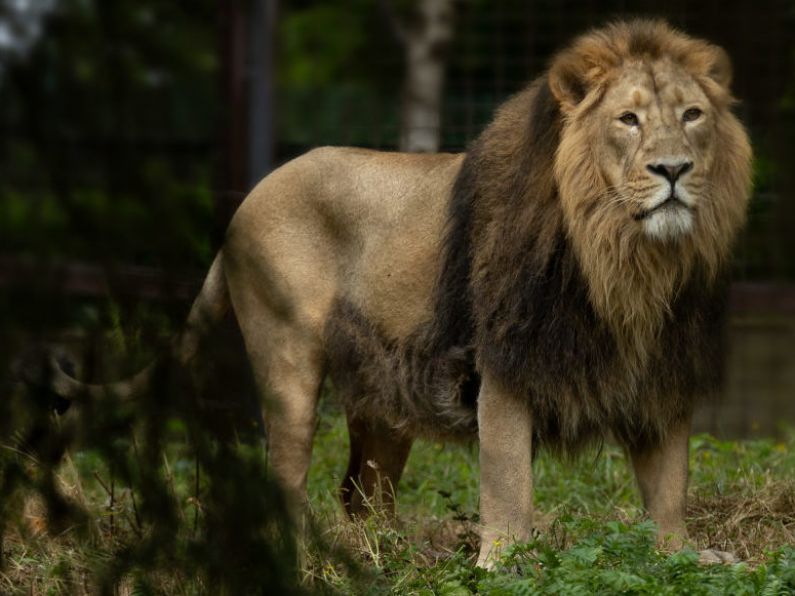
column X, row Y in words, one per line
column 567, row 81
column 720, row 67
column 712, row 66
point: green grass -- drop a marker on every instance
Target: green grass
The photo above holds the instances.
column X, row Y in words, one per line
column 591, row 537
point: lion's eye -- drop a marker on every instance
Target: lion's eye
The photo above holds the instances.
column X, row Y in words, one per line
column 629, row 119
column 691, row 114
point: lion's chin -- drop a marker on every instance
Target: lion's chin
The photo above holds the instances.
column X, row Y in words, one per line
column 669, row 223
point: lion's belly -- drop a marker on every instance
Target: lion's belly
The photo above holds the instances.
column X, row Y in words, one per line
column 403, row 383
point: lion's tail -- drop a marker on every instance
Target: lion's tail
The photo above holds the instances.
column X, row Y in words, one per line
column 208, row 308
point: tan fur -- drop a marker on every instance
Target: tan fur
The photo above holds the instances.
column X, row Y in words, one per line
column 409, row 275
column 505, row 469
column 662, row 478
column 331, row 223
column 612, row 247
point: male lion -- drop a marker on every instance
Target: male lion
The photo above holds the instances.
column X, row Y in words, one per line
column 560, row 282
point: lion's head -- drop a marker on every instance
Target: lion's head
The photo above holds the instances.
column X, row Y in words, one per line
column 648, row 131
column 595, row 215
column 653, row 168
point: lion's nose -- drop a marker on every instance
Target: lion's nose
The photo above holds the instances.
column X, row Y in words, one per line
column 670, row 171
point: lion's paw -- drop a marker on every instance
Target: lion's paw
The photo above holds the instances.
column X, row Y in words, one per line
column 717, row 557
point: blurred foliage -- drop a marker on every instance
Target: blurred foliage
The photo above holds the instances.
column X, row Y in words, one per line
column 188, row 505
column 318, row 45
column 107, row 150
column 107, row 122
column 339, row 72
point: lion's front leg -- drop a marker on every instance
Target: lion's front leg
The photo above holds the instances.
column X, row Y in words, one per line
column 662, row 474
column 506, row 478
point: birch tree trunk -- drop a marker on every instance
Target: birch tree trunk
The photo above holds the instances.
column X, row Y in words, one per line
column 425, row 43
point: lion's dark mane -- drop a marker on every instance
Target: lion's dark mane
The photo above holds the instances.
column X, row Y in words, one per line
column 511, row 299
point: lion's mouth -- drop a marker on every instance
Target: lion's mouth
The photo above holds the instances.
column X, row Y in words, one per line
column 672, row 202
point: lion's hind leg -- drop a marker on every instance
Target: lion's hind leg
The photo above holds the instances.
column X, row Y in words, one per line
column 289, row 367
column 378, row 455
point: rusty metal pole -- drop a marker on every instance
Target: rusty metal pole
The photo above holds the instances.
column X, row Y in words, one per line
column 246, row 138
column 261, row 100
column 232, row 178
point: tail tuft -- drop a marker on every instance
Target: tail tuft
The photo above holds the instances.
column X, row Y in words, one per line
column 37, row 370
column 46, row 371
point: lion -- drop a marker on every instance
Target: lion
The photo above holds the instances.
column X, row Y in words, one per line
column 560, row 283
